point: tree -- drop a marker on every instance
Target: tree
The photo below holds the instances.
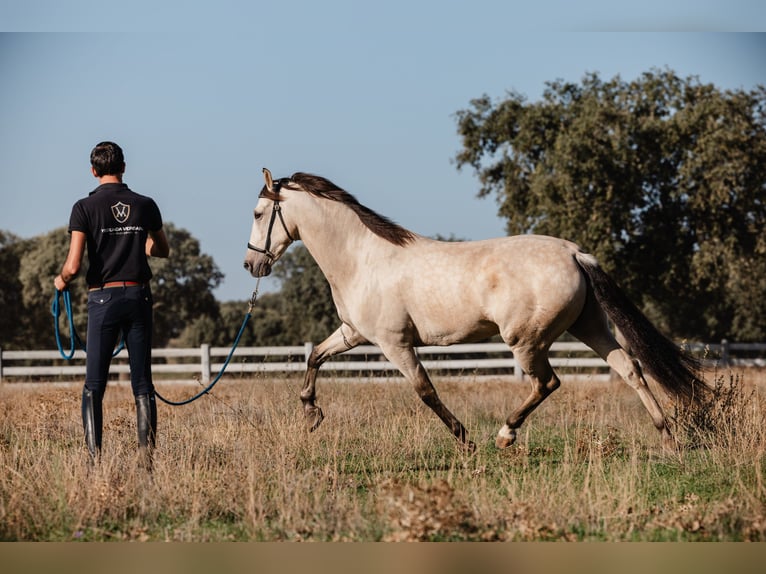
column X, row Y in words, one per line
column 265, row 327
column 182, row 286
column 10, row 290
column 661, row 178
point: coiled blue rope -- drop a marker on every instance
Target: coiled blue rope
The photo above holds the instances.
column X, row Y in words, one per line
column 56, row 311
column 74, row 338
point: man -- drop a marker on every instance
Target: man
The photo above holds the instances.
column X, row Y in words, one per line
column 120, row 229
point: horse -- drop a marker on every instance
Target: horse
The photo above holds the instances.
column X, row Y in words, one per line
column 399, row 290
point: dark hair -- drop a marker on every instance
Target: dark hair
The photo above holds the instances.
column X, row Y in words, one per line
column 107, row 159
column 378, row 224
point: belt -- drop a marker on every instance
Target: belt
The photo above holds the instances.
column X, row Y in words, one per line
column 111, row 284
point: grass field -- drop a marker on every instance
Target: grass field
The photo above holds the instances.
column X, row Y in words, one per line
column 239, row 465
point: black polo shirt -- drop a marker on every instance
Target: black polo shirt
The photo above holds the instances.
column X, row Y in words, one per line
column 116, row 222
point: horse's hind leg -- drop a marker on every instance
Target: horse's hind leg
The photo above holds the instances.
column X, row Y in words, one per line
column 343, row 339
column 592, row 329
column 544, row 381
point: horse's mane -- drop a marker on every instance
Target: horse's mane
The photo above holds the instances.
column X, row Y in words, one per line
column 378, row 224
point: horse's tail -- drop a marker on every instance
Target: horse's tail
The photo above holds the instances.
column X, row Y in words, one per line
column 676, row 371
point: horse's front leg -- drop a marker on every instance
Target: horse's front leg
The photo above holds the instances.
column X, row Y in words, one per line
column 343, row 339
column 411, row 367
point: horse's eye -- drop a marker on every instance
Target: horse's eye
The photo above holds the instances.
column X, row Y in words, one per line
column 257, row 215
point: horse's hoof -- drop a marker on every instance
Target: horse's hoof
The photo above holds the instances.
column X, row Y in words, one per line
column 314, row 418
column 469, row 447
column 506, row 437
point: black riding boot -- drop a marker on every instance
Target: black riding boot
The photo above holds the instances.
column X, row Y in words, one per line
column 92, row 420
column 146, row 420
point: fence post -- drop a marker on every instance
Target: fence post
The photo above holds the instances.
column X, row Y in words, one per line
column 725, row 357
column 204, row 350
column 308, row 347
column 518, row 372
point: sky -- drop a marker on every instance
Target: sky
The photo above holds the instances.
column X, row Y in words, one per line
column 202, row 97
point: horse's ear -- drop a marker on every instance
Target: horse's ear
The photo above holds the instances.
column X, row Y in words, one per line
column 269, row 180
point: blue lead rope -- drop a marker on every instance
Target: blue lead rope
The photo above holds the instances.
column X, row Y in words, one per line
column 207, row 389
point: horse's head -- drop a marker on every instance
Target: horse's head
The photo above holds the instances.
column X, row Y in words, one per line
column 268, row 241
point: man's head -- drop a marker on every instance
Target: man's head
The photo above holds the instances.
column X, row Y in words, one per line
column 107, row 159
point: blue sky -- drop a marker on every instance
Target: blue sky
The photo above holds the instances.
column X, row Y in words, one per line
column 202, row 98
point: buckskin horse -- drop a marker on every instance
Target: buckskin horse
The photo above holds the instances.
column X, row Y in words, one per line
column 399, row 290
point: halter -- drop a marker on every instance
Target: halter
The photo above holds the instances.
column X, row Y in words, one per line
column 276, row 210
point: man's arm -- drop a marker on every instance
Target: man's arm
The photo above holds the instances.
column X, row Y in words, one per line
column 157, row 244
column 71, row 266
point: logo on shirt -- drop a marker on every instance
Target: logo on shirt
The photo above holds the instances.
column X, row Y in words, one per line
column 121, row 212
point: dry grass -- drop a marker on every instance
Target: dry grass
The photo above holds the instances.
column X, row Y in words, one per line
column 239, row 465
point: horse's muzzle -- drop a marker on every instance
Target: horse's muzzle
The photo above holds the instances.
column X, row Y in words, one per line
column 259, row 269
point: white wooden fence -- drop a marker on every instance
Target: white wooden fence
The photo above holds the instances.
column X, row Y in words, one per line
column 568, row 358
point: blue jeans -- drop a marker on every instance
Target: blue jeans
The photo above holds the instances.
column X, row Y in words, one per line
column 111, row 312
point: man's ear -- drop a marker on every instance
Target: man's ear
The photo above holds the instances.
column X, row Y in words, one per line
column 93, row 171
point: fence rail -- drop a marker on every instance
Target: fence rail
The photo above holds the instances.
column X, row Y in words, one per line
column 568, row 358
